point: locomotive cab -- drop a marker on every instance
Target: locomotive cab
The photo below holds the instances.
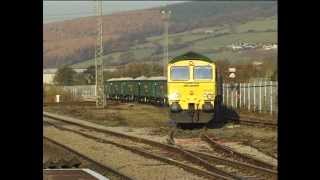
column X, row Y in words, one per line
column 191, row 88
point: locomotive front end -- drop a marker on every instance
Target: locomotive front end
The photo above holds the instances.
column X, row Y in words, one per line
column 191, row 89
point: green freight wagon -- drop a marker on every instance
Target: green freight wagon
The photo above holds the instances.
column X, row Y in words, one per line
column 143, row 88
column 158, row 89
column 125, row 90
column 112, row 88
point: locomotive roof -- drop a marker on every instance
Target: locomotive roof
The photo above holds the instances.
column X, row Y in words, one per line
column 192, row 56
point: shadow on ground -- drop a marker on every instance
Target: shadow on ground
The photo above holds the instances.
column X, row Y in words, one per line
column 220, row 117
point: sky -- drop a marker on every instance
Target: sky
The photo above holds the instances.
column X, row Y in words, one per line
column 65, row 10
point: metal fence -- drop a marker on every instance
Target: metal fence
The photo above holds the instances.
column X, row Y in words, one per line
column 81, row 91
column 259, row 96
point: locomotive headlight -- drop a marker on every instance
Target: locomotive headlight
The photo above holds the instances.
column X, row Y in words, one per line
column 208, row 96
column 174, row 96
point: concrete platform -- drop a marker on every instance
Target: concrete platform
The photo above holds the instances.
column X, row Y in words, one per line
column 71, row 174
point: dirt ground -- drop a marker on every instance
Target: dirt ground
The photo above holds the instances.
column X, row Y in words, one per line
column 152, row 121
column 115, row 114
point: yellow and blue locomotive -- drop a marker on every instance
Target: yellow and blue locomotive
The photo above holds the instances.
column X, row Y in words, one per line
column 192, row 88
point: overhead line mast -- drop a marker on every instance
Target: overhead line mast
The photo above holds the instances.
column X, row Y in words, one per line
column 100, row 96
column 165, row 16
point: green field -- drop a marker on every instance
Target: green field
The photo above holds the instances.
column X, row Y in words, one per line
column 114, row 58
column 259, row 25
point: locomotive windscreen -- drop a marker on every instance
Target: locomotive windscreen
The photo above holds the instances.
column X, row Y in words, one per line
column 202, row 72
column 179, row 73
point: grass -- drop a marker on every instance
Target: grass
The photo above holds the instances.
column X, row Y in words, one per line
column 259, row 25
column 139, row 54
column 185, row 38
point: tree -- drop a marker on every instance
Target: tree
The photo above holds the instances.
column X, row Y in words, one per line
column 274, row 76
column 90, row 75
column 65, row 76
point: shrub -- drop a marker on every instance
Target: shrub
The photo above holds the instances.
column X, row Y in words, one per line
column 50, row 92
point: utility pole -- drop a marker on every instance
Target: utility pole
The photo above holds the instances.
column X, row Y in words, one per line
column 165, row 16
column 100, row 96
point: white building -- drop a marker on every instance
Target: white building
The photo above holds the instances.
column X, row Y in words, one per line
column 48, row 75
column 269, row 47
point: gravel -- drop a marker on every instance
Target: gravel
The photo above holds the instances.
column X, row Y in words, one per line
column 125, row 161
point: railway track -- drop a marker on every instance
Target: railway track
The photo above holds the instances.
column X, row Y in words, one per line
column 228, row 152
column 252, row 121
column 103, row 167
column 138, row 146
column 212, row 167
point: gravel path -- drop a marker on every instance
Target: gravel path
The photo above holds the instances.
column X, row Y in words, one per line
column 125, row 161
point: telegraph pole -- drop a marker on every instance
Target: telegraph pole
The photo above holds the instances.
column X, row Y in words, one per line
column 100, row 96
column 165, row 16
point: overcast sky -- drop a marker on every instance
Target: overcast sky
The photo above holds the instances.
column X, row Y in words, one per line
column 63, row 10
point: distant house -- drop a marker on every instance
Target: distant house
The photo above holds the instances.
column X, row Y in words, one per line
column 236, row 47
column 208, row 31
column 269, row 47
column 48, row 75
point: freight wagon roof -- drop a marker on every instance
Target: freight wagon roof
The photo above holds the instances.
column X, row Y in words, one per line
column 157, row 78
column 120, row 79
column 141, row 78
column 190, row 56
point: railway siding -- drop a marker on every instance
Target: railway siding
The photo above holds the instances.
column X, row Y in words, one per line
column 102, row 129
column 122, row 160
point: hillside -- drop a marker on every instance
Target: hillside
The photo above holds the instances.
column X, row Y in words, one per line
column 139, row 32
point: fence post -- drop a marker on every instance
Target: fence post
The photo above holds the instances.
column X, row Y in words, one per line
column 223, row 93
column 260, row 91
column 249, row 103
column 231, row 97
column 244, row 94
column 271, row 94
column 227, row 94
column 254, row 96
column 240, row 95
column 265, row 95
column 236, row 96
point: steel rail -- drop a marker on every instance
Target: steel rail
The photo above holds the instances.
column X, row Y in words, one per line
column 234, row 163
column 248, row 159
column 103, row 166
column 191, row 157
column 254, row 121
column 197, row 171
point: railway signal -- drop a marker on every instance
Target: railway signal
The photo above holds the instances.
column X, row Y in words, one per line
column 232, row 72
